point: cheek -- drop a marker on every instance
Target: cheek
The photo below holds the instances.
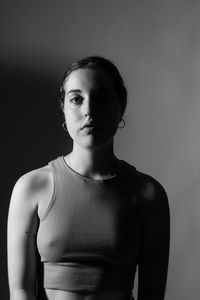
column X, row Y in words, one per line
column 114, row 113
column 69, row 120
column 70, row 114
column 73, row 121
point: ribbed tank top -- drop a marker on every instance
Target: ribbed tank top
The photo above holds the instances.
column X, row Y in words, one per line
column 89, row 236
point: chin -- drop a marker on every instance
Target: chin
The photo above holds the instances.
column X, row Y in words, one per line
column 92, row 143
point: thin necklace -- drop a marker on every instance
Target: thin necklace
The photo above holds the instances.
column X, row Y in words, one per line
column 68, row 160
column 106, row 176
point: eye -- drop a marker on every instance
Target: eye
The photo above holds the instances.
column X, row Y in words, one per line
column 104, row 97
column 76, row 99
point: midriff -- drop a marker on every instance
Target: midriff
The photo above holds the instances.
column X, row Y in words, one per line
column 85, row 282
column 50, row 294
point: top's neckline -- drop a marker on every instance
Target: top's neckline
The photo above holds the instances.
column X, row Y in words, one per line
column 85, row 178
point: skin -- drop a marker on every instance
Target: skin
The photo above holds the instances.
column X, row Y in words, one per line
column 90, row 95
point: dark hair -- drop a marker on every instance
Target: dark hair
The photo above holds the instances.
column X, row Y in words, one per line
column 96, row 62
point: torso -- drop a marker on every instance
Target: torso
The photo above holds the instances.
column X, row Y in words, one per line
column 51, row 294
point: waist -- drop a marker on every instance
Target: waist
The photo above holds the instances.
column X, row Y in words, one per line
column 51, row 294
column 81, row 277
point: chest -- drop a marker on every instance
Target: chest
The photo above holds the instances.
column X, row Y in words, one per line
column 95, row 225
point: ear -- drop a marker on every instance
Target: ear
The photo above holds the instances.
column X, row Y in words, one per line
column 62, row 105
column 62, row 98
column 121, row 117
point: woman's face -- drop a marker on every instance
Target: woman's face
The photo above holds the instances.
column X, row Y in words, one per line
column 91, row 99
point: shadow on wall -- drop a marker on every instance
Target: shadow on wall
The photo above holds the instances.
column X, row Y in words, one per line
column 33, row 134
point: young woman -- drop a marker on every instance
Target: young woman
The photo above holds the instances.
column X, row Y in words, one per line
column 80, row 226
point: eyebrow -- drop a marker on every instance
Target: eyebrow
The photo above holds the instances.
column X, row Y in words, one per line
column 106, row 88
column 100, row 88
column 74, row 91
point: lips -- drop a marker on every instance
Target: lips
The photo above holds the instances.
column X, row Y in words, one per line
column 89, row 129
column 89, row 126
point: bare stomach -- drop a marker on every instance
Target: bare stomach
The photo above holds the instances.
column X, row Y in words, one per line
column 50, row 294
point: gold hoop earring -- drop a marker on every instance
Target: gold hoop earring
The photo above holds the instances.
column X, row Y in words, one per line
column 123, row 124
column 64, row 126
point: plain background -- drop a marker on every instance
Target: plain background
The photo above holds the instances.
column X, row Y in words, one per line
column 156, row 46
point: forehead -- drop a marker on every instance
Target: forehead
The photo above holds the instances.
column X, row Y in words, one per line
column 88, row 78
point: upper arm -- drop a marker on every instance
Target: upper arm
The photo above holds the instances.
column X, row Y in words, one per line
column 21, row 235
column 155, row 237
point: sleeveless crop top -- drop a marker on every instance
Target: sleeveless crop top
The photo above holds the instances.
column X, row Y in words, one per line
column 89, row 236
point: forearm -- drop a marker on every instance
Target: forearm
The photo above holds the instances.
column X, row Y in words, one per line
column 22, row 294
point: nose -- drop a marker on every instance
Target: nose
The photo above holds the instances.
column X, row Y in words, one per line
column 88, row 107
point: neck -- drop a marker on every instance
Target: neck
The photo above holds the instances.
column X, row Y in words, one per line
column 93, row 163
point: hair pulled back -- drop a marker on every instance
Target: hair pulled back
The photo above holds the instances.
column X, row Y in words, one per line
column 97, row 62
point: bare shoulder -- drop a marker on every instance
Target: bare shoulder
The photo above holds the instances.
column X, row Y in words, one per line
column 32, row 186
column 150, row 190
column 35, row 180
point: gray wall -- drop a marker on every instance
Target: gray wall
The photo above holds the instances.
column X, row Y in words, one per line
column 156, row 45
